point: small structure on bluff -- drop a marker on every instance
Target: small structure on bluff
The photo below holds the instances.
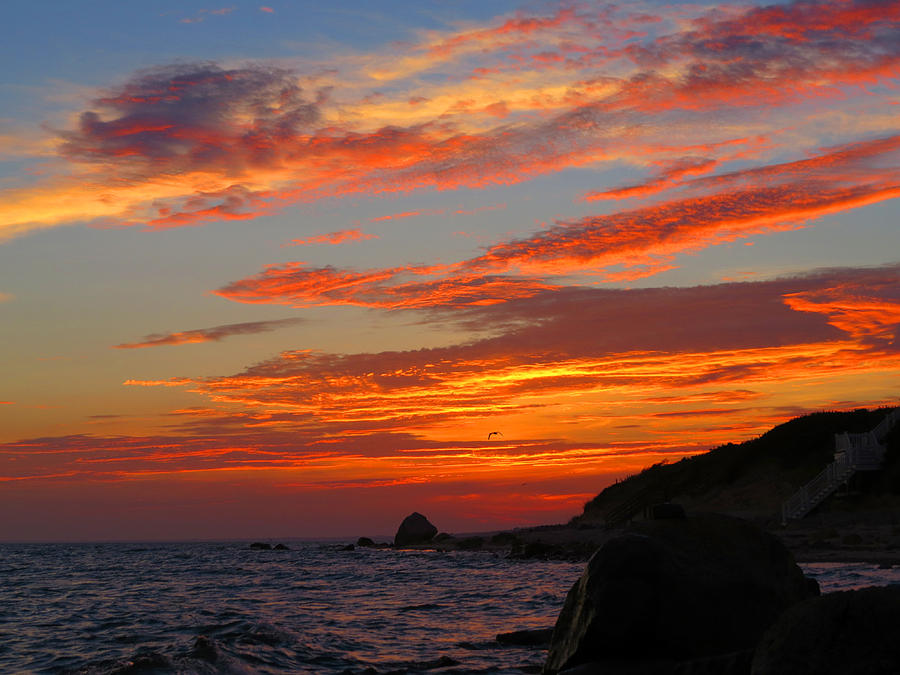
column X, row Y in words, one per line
column 415, row 529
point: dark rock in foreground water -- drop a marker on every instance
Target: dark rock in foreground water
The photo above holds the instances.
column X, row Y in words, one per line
column 261, row 546
column 365, row 542
column 415, row 529
column 531, row 637
column 204, row 649
column 668, row 592
column 846, row 633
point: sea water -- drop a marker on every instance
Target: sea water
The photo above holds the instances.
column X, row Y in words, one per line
column 126, row 608
column 224, row 608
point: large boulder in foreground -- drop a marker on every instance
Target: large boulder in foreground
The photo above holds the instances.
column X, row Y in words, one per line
column 846, row 633
column 667, row 592
column 415, row 529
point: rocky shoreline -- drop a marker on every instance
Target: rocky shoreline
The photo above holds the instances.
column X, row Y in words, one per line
column 703, row 594
column 866, row 537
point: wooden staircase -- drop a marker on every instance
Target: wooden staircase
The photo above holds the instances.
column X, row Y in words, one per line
column 626, row 510
column 853, row 452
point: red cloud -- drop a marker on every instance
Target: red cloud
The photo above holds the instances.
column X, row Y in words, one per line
column 298, row 285
column 670, row 175
column 407, row 214
column 180, row 118
column 625, row 245
column 581, row 340
column 230, row 123
column 338, row 237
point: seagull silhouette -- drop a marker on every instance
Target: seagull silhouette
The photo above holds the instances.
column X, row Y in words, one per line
column 494, row 433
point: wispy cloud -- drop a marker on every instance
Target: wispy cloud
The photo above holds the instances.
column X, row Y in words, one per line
column 214, row 334
column 202, row 14
column 559, row 341
column 338, row 237
column 592, row 85
column 407, row 214
column 624, row 245
column 709, row 364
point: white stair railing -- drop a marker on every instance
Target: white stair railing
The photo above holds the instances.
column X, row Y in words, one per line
column 853, row 452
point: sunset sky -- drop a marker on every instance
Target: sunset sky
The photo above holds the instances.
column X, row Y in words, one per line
column 279, row 270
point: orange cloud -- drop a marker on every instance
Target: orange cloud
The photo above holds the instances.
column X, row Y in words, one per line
column 670, row 175
column 407, row 214
column 338, row 237
column 557, row 343
column 249, row 140
column 298, row 285
column 621, row 246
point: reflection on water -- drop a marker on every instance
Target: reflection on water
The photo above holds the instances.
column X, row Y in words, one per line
column 311, row 609
column 849, row 576
column 95, row 608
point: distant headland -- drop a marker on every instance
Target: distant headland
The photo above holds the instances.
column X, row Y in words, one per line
column 857, row 520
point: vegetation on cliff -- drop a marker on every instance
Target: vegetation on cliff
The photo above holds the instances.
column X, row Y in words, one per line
column 754, row 477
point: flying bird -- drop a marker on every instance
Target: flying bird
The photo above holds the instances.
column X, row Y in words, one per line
column 493, row 433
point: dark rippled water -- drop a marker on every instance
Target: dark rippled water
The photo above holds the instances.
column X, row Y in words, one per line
column 125, row 608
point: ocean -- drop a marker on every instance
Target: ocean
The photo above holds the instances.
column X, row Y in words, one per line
column 224, row 608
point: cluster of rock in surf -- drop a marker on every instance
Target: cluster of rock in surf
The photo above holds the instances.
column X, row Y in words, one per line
column 701, row 595
column 716, row 595
column 263, row 546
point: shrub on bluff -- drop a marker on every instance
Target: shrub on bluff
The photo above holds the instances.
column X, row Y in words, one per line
column 668, row 592
column 415, row 529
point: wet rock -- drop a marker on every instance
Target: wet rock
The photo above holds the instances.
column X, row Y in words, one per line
column 812, row 587
column 204, row 649
column 504, row 538
column 365, row 542
column 532, row 637
column 846, row 633
column 539, row 550
column 440, row 662
column 470, row 543
column 675, row 590
column 142, row 662
column 443, row 536
column 348, row 547
column 281, row 547
column 261, row 546
column 415, row 529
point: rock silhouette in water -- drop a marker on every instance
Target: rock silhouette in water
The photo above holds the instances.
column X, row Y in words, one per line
column 530, row 637
column 674, row 591
column 415, row 529
column 851, row 632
